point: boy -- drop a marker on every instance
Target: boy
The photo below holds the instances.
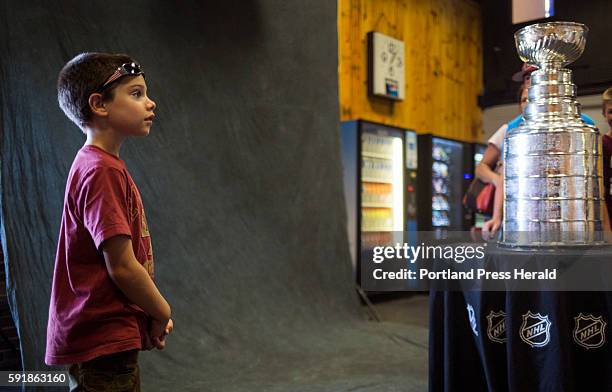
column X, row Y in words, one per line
column 104, row 305
column 607, row 149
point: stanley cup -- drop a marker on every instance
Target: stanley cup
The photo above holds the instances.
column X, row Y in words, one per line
column 552, row 183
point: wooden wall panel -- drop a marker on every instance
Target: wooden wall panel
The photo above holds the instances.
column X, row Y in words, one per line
column 443, row 64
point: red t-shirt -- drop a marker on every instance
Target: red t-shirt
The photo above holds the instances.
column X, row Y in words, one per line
column 88, row 315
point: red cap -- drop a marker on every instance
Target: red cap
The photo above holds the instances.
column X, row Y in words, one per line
column 525, row 70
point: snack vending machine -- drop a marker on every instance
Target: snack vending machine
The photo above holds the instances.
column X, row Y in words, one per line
column 445, row 171
column 379, row 167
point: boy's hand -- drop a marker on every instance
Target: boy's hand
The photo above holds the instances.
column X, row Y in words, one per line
column 159, row 331
column 169, row 327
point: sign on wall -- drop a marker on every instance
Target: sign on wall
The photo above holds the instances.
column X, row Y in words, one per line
column 385, row 66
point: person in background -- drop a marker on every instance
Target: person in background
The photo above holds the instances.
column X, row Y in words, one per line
column 490, row 169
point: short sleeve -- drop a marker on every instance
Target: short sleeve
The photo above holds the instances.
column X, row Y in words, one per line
column 498, row 137
column 516, row 122
column 104, row 204
column 587, row 119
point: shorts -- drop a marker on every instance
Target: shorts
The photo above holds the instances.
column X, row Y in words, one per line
column 116, row 372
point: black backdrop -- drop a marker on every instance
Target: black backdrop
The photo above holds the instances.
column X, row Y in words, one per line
column 241, row 180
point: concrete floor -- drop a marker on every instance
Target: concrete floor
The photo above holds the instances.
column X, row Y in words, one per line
column 411, row 310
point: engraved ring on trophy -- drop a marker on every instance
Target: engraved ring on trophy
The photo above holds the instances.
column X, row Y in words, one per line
column 551, row 178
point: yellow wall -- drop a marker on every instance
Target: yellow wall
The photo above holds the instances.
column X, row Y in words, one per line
column 443, row 64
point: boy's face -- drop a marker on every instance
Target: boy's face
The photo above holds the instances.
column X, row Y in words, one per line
column 131, row 110
column 607, row 112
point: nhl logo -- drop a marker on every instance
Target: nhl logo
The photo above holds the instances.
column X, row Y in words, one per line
column 496, row 326
column 535, row 330
column 589, row 331
column 472, row 319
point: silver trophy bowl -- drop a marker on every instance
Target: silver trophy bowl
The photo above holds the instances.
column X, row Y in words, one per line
column 554, row 44
column 552, row 163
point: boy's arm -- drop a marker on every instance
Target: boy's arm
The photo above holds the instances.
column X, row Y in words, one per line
column 132, row 279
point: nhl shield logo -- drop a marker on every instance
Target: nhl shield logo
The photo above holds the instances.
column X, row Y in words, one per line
column 589, row 331
column 496, row 326
column 535, row 330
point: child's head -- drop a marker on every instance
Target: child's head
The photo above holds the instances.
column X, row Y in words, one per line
column 607, row 106
column 92, row 73
column 524, row 75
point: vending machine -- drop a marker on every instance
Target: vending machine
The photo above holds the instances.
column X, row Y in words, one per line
column 380, row 186
column 478, row 149
column 445, row 171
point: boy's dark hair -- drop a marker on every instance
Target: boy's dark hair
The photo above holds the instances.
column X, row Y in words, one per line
column 81, row 77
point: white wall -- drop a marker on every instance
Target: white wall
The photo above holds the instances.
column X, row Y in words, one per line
column 591, row 105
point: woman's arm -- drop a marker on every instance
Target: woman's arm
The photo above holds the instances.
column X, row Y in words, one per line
column 484, row 170
column 491, row 226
